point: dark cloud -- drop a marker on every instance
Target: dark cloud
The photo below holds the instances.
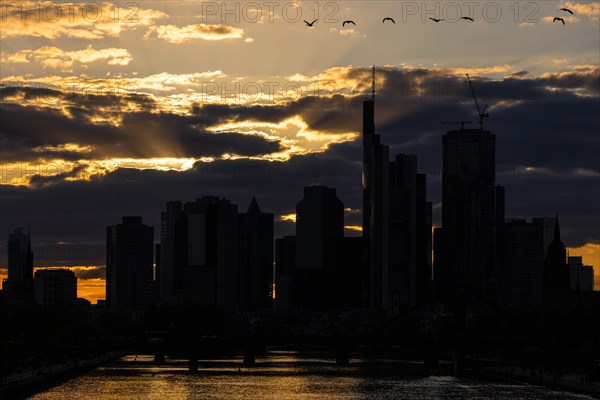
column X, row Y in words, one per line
column 550, row 123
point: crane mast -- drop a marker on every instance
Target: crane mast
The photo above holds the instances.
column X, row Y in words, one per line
column 482, row 114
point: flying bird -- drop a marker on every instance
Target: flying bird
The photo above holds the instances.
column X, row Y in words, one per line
column 467, row 18
column 388, row 19
column 558, row 19
column 310, row 24
column 435, row 19
column 567, row 10
column 348, row 22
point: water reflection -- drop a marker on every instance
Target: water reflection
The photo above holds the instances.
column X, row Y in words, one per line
column 283, row 375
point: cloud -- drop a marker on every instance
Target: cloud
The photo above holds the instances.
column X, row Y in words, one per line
column 53, row 57
column 90, row 21
column 176, row 35
column 590, row 10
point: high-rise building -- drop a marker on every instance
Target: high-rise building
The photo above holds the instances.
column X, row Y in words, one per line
column 522, row 263
column 18, row 287
column 582, row 276
column 319, row 230
column 255, row 258
column 472, row 213
column 285, row 265
column 55, row 287
column 173, row 251
column 396, row 224
column 557, row 277
column 129, row 264
column 211, row 276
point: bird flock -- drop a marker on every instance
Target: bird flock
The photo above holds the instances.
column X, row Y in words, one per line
column 436, row 20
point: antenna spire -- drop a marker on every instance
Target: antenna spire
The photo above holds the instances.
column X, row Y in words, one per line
column 373, row 85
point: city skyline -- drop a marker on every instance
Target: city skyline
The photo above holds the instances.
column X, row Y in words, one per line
column 180, row 137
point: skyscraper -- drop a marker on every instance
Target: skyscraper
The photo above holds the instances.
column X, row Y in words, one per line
column 522, row 263
column 255, row 257
column 557, row 277
column 173, row 251
column 319, row 231
column 19, row 284
column 55, row 287
column 472, row 213
column 396, row 223
column 129, row 259
column 211, row 276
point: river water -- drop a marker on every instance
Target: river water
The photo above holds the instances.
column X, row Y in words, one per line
column 284, row 376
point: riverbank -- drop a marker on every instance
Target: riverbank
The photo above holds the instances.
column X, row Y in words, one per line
column 565, row 383
column 25, row 384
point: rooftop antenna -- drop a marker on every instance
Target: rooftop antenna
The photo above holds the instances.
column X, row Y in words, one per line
column 373, row 86
column 480, row 112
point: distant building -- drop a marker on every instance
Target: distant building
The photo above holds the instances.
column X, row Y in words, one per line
column 557, row 277
column 213, row 255
column 211, row 276
column 319, row 230
column 285, row 264
column 55, row 287
column 18, row 287
column 129, row 264
column 523, row 263
column 396, row 226
column 472, row 214
column 255, row 230
column 582, row 276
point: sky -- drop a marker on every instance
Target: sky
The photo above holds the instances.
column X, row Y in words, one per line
column 111, row 109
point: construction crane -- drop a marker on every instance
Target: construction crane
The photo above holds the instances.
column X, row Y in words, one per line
column 482, row 114
column 462, row 123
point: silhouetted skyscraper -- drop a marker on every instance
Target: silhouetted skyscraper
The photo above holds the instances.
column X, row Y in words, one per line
column 319, row 230
column 173, row 249
column 582, row 276
column 18, row 286
column 557, row 277
column 255, row 258
column 285, row 265
column 212, row 275
column 55, row 287
column 522, row 263
column 129, row 259
column 472, row 213
column 396, row 224
column 375, row 211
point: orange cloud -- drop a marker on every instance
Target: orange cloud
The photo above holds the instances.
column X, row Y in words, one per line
column 86, row 20
column 175, row 34
column 53, row 57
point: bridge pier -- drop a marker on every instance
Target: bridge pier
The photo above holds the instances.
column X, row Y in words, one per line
column 193, row 363
column 342, row 358
column 249, row 358
column 432, row 358
column 159, row 358
column 459, row 362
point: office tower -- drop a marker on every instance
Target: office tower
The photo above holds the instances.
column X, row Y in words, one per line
column 557, row 277
column 285, row 264
column 319, row 229
column 211, row 276
column 55, row 288
column 18, row 287
column 472, row 213
column 522, row 263
column 582, row 276
column 424, row 247
column 375, row 231
column 347, row 280
column 396, row 224
column 129, row 259
column 173, row 251
column 255, row 258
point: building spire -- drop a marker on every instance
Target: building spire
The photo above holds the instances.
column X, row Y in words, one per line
column 557, row 229
column 373, row 85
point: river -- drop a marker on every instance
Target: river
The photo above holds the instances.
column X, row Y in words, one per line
column 283, row 376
